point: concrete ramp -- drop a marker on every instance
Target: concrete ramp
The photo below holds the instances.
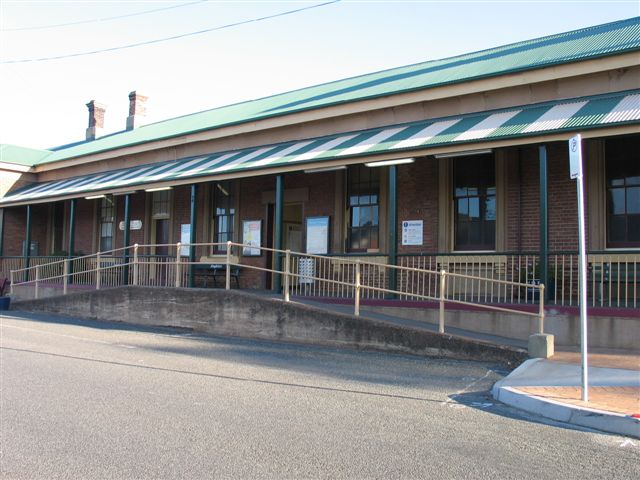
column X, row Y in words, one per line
column 242, row 314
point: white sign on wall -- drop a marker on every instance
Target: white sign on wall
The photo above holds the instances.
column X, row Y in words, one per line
column 133, row 225
column 185, row 237
column 412, row 231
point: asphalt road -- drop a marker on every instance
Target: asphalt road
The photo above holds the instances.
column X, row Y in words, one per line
column 94, row 400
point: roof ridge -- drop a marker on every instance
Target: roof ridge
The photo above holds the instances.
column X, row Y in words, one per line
column 425, row 62
column 588, row 42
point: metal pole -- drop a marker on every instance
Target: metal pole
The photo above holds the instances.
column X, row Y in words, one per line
column 127, row 238
column 356, row 307
column 287, row 269
column 11, row 282
column 65, row 276
column 541, row 311
column 393, row 227
column 192, row 235
column 98, row 271
column 228, row 272
column 582, row 270
column 72, row 236
column 178, row 270
column 27, row 252
column 278, row 231
column 135, row 264
column 544, row 224
column 37, row 281
column 443, row 292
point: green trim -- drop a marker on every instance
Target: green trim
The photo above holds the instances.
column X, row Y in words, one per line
column 278, row 214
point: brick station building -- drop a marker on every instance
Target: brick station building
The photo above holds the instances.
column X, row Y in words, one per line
column 446, row 159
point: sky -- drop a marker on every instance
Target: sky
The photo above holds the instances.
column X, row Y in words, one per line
column 42, row 101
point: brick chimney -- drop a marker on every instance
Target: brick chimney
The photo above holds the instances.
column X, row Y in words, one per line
column 137, row 110
column 96, row 119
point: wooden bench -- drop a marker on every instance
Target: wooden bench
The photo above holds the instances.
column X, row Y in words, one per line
column 215, row 271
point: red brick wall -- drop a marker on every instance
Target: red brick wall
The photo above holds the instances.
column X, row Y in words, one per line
column 181, row 209
column 15, row 219
column 137, row 212
column 321, row 202
column 252, row 208
column 15, row 229
column 523, row 201
column 418, row 200
column 85, row 233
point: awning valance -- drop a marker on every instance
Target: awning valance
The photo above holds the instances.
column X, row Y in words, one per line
column 531, row 120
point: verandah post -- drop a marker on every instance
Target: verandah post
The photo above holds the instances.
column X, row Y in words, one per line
column 278, row 214
column 127, row 238
column 193, row 215
column 544, row 230
column 393, row 227
column 27, row 248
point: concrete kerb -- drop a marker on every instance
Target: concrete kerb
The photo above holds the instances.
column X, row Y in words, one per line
column 573, row 414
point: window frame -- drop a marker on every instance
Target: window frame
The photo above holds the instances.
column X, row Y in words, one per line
column 482, row 195
column 104, row 221
column 370, row 187
column 626, row 185
column 230, row 214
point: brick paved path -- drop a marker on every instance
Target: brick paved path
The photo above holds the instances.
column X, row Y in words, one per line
column 625, row 400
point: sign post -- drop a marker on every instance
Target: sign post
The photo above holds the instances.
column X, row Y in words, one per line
column 575, row 166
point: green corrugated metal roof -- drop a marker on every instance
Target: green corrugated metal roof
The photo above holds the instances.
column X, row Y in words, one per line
column 21, row 155
column 584, row 113
column 592, row 42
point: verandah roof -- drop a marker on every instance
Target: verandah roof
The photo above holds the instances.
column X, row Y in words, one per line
column 568, row 115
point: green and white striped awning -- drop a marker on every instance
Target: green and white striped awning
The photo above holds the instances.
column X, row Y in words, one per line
column 531, row 120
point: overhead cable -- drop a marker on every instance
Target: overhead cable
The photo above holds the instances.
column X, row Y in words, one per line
column 166, row 39
column 95, row 20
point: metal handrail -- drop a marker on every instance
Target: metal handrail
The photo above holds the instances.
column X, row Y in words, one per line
column 133, row 259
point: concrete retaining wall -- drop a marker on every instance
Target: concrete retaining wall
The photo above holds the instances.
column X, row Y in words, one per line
column 604, row 331
column 241, row 314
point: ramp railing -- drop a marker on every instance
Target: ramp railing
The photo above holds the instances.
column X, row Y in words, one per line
column 301, row 275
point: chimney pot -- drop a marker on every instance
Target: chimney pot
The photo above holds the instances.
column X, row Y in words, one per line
column 137, row 110
column 96, row 119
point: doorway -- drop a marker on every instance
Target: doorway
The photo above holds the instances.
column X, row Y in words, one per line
column 292, row 233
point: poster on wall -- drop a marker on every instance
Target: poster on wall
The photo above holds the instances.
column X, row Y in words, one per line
column 318, row 235
column 251, row 237
column 412, row 231
column 185, row 238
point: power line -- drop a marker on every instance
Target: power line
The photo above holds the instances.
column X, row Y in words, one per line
column 94, row 20
column 166, row 39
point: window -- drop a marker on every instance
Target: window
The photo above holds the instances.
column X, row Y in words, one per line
column 622, row 157
column 107, row 219
column 363, row 196
column 160, row 218
column 223, row 214
column 474, row 191
column 160, row 205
